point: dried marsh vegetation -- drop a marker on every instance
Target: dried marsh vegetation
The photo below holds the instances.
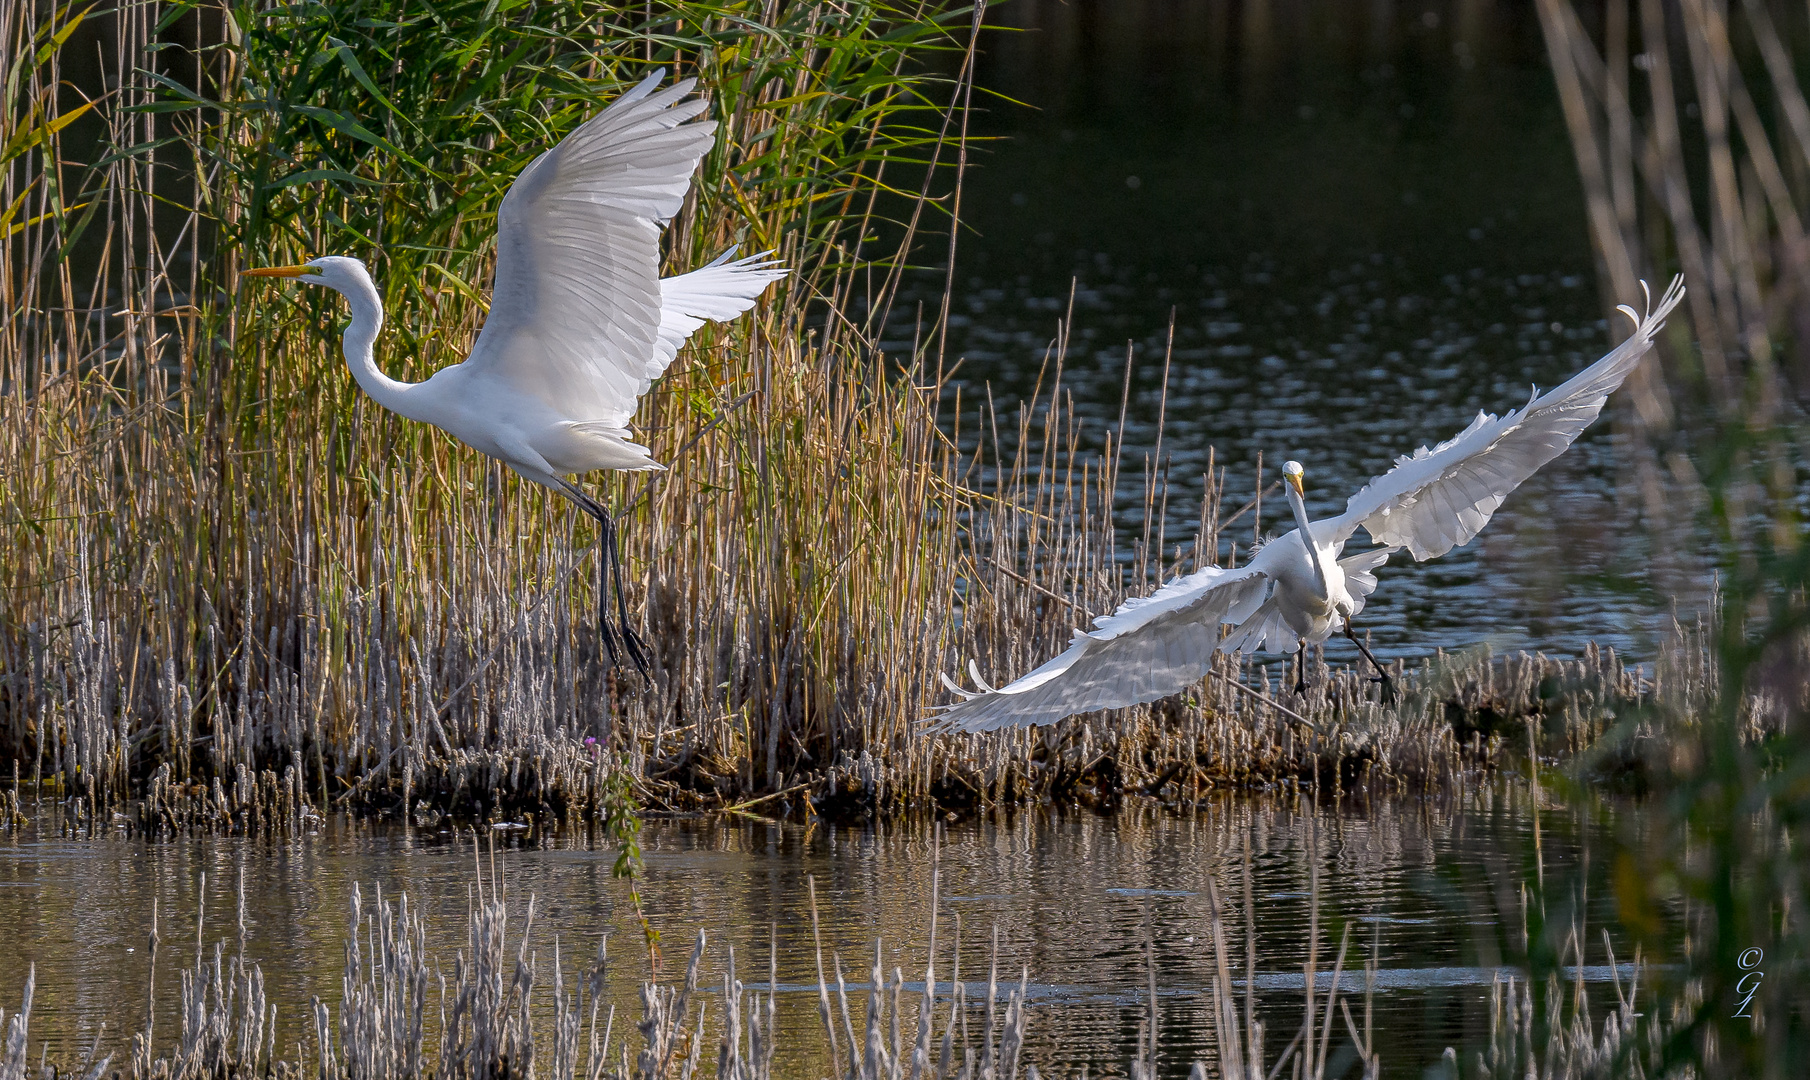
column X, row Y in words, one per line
column 220, row 565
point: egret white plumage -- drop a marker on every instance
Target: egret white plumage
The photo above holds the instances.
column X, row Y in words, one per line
column 1302, row 587
column 580, row 321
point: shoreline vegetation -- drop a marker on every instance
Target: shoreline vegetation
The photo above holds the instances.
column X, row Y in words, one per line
column 1463, row 721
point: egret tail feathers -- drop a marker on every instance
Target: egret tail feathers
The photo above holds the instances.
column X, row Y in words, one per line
column 1264, row 631
column 1360, row 573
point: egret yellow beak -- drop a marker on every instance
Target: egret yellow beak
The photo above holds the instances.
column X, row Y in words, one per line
column 1294, row 481
column 280, row 271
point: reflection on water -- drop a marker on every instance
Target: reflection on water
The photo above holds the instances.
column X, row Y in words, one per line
column 1365, row 224
column 1071, row 897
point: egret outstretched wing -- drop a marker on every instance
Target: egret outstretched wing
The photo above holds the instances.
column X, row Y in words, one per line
column 1434, row 500
column 576, row 312
column 716, row 292
column 1149, row 648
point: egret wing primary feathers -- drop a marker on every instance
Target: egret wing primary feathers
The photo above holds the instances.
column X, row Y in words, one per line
column 1149, row 648
column 1435, row 500
column 1301, row 587
column 580, row 322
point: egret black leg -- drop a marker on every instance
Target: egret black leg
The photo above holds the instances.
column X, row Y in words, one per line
column 1301, row 668
column 1382, row 673
column 620, row 637
column 631, row 641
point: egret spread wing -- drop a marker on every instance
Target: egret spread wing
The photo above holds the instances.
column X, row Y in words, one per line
column 717, row 292
column 1437, row 499
column 1149, row 648
column 576, row 312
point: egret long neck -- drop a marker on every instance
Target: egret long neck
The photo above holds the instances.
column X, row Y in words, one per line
column 1299, row 506
column 359, row 344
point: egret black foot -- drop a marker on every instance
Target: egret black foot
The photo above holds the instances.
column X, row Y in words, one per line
column 618, row 640
column 638, row 652
column 1301, row 686
column 618, row 637
column 1390, row 697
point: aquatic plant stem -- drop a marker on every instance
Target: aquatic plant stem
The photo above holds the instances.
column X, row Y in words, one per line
column 622, row 824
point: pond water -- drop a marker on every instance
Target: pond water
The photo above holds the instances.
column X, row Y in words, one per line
column 1366, row 224
column 1431, row 885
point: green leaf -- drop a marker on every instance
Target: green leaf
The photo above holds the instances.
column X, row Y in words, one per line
column 49, row 48
column 309, row 176
column 350, row 127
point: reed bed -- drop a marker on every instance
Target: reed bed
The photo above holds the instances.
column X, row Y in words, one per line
column 220, row 562
column 1462, row 720
column 237, row 597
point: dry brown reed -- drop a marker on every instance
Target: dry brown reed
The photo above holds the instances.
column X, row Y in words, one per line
column 1692, row 135
column 225, row 575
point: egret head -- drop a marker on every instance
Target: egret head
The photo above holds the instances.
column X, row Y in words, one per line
column 337, row 272
column 1295, row 475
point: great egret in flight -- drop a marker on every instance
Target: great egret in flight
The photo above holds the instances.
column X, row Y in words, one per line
column 580, row 320
column 1302, row 587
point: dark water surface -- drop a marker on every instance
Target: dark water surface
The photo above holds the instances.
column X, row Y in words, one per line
column 1366, row 222
column 1434, row 885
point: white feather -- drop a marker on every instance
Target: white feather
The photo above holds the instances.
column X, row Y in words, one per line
column 1434, row 500
column 1149, row 648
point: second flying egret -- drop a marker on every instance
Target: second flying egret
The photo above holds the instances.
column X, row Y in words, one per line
column 580, row 321
column 1302, row 587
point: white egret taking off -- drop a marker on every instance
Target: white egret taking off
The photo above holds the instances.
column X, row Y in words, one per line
column 580, row 321
column 1301, row 587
